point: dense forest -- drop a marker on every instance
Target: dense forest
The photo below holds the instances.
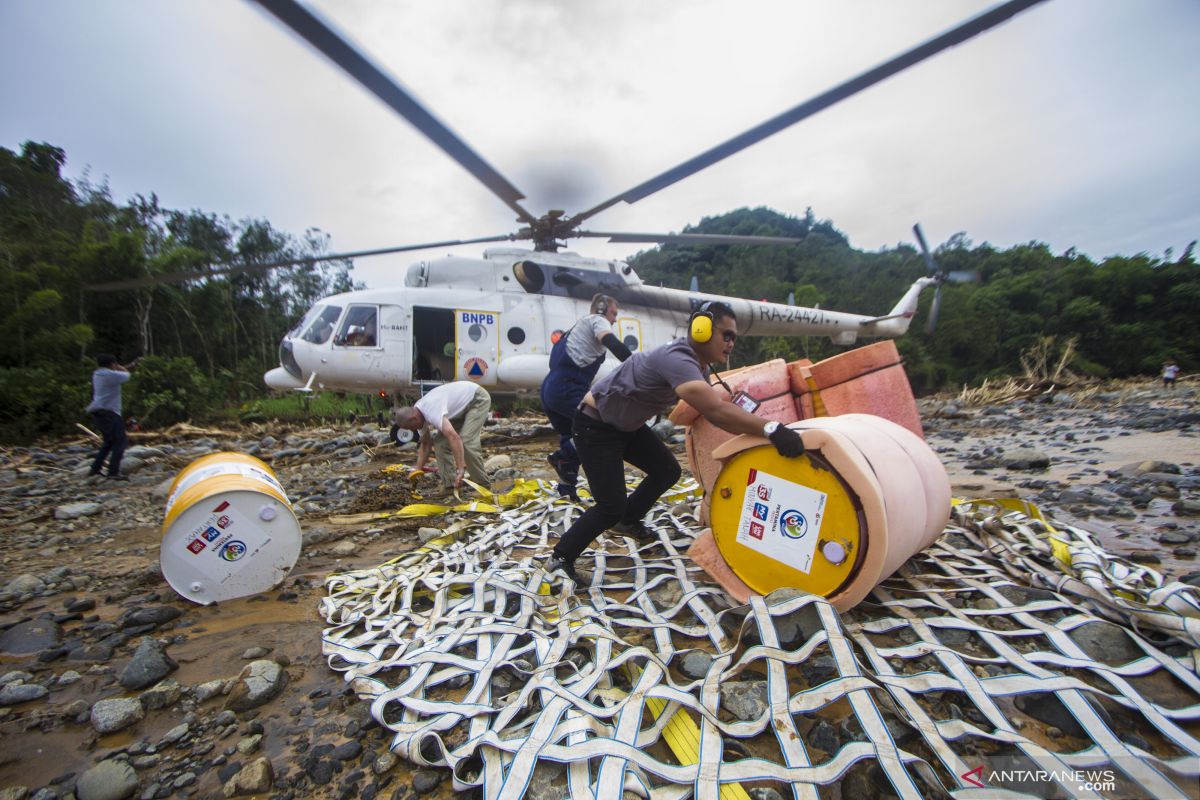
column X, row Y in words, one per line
column 206, row 343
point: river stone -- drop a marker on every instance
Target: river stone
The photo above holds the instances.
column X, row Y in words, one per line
column 1186, row 508
column 548, row 782
column 1047, row 708
column 25, row 584
column 108, row 780
column 746, row 700
column 16, row 676
column 259, row 682
column 345, row 548
column 154, row 615
column 116, row 713
column 426, row 534
column 254, row 778
column 76, row 510
column 30, row 637
column 501, row 461
column 161, row 695
column 1106, row 642
column 695, row 664
column 149, row 665
column 1026, row 458
column 14, row 793
column 16, row 693
column 1142, row 467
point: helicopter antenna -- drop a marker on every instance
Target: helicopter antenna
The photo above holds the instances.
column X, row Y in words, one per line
column 952, row 37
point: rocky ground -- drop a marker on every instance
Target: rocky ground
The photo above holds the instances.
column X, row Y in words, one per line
column 113, row 686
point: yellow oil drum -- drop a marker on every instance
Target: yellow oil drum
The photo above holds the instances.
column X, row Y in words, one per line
column 866, row 496
column 229, row 529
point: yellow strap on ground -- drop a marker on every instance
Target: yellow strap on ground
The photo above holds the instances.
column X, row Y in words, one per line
column 1059, row 548
column 682, row 735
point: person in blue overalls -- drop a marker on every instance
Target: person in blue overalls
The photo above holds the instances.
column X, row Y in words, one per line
column 574, row 361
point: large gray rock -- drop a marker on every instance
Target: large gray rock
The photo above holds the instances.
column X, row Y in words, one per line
column 254, row 778
column 116, row 713
column 162, row 695
column 16, row 693
column 30, row 637
column 149, row 665
column 108, row 780
column 76, row 510
column 746, row 700
column 501, row 461
column 1026, row 458
column 258, row 683
column 1106, row 642
column 25, row 584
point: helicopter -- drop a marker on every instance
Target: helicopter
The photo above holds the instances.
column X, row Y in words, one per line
column 493, row 320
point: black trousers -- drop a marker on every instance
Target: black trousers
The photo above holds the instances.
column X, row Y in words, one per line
column 604, row 451
column 112, row 428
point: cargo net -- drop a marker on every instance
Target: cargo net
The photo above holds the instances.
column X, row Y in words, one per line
column 985, row 668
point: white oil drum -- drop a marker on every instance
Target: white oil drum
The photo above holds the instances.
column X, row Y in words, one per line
column 229, row 529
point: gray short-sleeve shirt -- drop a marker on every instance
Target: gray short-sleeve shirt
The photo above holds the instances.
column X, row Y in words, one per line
column 644, row 385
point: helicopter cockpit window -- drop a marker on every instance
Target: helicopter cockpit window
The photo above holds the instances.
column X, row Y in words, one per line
column 359, row 328
column 321, row 327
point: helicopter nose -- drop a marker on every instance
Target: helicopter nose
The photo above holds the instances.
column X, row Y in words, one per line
column 282, row 380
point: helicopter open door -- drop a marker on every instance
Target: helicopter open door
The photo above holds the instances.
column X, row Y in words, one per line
column 433, row 348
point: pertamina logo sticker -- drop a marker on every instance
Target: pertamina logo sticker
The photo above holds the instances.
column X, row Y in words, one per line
column 233, row 550
column 792, row 524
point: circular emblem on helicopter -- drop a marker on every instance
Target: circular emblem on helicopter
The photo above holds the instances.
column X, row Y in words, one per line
column 475, row 368
column 792, row 524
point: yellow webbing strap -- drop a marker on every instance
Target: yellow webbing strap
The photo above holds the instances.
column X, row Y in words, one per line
column 682, row 735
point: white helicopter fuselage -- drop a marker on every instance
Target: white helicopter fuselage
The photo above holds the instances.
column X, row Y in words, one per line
column 494, row 321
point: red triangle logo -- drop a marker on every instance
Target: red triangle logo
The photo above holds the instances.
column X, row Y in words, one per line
column 977, row 771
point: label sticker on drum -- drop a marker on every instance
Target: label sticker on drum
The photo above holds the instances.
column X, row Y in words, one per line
column 225, row 542
column 781, row 519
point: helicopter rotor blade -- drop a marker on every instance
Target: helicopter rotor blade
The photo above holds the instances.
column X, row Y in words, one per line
column 321, row 35
column 950, row 38
column 929, row 262
column 934, row 309
column 234, row 269
column 686, row 238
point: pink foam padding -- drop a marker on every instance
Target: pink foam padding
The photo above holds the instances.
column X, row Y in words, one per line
column 901, row 483
column 705, row 553
column 705, row 437
column 933, row 474
column 804, row 406
column 850, row 463
column 796, row 371
column 853, row 363
column 885, row 393
column 757, row 380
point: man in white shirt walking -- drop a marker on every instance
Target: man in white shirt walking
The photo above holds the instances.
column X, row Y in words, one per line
column 105, row 409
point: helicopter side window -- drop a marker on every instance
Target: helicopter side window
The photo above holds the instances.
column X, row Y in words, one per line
column 320, row 329
column 359, row 328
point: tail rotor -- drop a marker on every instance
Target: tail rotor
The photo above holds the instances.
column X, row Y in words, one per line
column 940, row 276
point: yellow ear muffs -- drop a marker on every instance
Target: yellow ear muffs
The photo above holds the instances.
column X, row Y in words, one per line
column 701, row 327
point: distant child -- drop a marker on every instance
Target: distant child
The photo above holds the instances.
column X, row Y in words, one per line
column 1170, row 372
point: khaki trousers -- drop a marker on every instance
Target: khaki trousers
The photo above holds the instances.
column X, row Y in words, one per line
column 469, row 425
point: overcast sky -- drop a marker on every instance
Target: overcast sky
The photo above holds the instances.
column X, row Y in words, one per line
column 1074, row 124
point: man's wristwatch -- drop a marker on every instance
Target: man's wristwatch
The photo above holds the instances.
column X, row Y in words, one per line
column 770, row 428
